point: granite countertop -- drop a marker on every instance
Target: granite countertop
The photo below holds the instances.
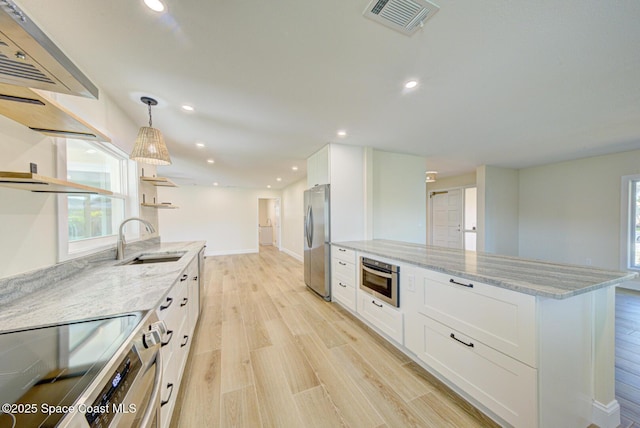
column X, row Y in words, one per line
column 538, row 278
column 105, row 287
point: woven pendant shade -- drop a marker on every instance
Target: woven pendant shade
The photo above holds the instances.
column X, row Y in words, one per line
column 150, row 147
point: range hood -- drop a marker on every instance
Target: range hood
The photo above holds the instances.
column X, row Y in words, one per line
column 30, row 59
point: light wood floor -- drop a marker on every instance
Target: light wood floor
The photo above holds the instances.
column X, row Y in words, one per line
column 628, row 356
column 269, row 353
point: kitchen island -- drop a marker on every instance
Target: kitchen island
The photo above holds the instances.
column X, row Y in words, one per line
column 531, row 343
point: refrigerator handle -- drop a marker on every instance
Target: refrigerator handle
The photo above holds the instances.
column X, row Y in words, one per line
column 312, row 225
column 306, row 226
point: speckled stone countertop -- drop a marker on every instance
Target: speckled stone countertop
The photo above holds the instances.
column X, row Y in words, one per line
column 538, row 278
column 78, row 290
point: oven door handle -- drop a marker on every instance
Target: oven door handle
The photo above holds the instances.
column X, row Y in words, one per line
column 377, row 272
column 152, row 407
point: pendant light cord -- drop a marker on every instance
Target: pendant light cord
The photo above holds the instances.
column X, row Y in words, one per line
column 150, row 124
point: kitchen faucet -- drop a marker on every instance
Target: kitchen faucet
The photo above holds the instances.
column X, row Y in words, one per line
column 122, row 242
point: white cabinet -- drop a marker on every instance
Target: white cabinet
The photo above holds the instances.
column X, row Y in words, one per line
column 524, row 358
column 385, row 318
column 179, row 311
column 503, row 319
column 343, row 277
column 342, row 167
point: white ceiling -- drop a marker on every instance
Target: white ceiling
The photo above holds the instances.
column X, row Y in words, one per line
column 508, row 83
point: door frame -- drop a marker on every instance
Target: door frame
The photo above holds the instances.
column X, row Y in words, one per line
column 278, row 202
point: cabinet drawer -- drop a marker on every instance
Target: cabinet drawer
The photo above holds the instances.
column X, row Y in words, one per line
column 503, row 384
column 343, row 292
column 502, row 319
column 386, row 318
column 344, row 254
column 344, row 270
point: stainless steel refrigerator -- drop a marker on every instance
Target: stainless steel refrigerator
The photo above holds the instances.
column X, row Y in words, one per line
column 317, row 237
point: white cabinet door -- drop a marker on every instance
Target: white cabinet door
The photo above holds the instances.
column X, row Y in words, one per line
column 505, row 385
column 502, row 319
column 386, row 318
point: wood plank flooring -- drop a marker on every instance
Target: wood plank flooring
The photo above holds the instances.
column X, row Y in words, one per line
column 628, row 356
column 269, row 353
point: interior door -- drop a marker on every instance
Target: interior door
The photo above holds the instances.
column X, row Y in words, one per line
column 446, row 218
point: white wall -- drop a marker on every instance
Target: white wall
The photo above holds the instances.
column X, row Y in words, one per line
column 570, row 211
column 227, row 218
column 497, row 210
column 399, row 197
column 29, row 221
column 292, row 219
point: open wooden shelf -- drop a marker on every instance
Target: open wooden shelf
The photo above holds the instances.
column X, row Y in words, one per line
column 37, row 111
column 160, row 206
column 41, row 184
column 159, row 181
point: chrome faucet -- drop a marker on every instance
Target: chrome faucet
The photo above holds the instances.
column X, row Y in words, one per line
column 122, row 242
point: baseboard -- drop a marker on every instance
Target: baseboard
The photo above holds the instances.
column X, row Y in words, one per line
column 606, row 415
column 292, row 254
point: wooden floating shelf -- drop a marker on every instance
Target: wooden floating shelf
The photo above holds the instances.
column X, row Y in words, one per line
column 41, row 184
column 38, row 112
column 160, row 206
column 159, row 181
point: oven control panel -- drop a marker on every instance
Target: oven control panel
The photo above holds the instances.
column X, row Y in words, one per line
column 108, row 403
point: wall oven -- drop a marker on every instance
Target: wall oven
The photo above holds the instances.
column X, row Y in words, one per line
column 380, row 279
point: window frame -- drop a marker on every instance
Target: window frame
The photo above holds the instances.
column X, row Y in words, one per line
column 68, row 250
column 628, row 224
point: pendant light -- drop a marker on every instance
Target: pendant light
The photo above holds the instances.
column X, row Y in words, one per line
column 149, row 146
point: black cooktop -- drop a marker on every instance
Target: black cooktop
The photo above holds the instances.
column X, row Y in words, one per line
column 44, row 370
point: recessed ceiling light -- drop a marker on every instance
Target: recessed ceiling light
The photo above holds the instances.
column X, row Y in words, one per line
column 295, row 168
column 210, row 161
column 268, row 186
column 411, row 84
column 342, row 133
column 187, row 108
column 279, row 179
column 155, row 5
column 91, row 151
column 200, row 144
column 215, row 183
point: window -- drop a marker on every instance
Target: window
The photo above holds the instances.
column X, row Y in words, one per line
column 90, row 222
column 631, row 221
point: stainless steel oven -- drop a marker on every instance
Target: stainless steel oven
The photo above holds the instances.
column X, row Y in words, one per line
column 380, row 279
column 103, row 372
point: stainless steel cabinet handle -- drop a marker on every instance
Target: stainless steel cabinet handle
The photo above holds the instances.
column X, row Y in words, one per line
column 157, row 382
column 170, row 387
column 453, row 336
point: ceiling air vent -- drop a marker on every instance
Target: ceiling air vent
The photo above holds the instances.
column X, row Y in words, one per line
column 405, row 16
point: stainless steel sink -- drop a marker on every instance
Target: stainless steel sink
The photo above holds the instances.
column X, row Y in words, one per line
column 147, row 258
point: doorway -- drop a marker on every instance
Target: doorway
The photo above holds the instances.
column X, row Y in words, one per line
column 453, row 217
column 269, row 222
